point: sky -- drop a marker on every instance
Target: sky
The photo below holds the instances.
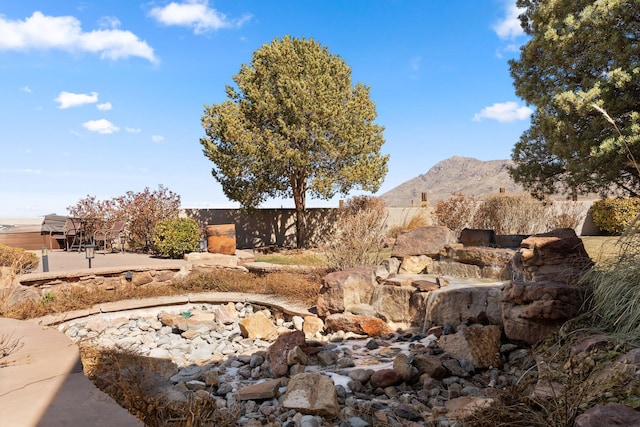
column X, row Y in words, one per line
column 99, row 98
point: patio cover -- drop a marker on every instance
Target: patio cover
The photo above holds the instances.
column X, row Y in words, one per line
column 53, row 224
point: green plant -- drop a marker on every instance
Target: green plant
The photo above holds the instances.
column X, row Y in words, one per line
column 19, row 260
column 47, row 298
column 456, row 212
column 174, row 237
column 359, row 234
column 615, row 215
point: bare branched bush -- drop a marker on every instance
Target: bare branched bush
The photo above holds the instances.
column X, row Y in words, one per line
column 566, row 214
column 457, row 212
column 512, row 214
column 9, row 345
column 359, row 234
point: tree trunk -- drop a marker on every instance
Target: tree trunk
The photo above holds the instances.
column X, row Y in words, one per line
column 299, row 194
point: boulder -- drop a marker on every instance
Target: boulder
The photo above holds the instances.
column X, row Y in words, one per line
column 400, row 304
column 414, row 264
column 279, row 350
column 455, row 269
column 611, row 414
column 264, row 390
column 188, row 320
column 531, row 311
column 361, row 325
column 459, row 304
column 312, row 325
column 476, row 344
column 257, row 326
column 423, row 241
column 385, row 378
column 341, row 289
column 558, row 256
column 544, row 294
column 387, row 267
column 312, row 394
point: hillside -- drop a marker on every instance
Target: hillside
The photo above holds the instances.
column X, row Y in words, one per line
column 454, row 175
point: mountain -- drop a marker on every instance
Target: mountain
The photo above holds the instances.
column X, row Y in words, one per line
column 454, row 175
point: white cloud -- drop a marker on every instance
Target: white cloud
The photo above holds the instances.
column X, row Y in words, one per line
column 104, row 107
column 504, row 112
column 65, row 33
column 132, row 130
column 509, row 27
column 68, row 99
column 26, row 89
column 102, row 126
column 157, row 138
column 195, row 14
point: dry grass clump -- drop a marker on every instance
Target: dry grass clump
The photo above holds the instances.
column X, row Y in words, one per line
column 298, row 287
column 8, row 346
column 358, row 236
column 412, row 219
column 134, row 383
column 18, row 259
column 562, row 387
column 512, row 214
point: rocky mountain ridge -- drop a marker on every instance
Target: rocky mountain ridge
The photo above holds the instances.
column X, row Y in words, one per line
column 454, row 175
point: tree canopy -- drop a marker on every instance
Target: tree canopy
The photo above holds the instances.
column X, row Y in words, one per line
column 581, row 71
column 294, row 124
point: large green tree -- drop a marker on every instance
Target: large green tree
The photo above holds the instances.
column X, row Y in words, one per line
column 294, row 125
column 581, row 70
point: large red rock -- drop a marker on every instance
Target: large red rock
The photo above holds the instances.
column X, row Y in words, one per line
column 279, row 350
column 362, row 325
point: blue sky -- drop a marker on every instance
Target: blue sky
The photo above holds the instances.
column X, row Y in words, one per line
column 104, row 97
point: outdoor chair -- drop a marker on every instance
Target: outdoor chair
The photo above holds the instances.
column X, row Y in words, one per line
column 108, row 235
column 71, row 233
column 53, row 226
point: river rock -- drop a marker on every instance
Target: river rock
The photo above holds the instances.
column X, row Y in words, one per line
column 476, row 344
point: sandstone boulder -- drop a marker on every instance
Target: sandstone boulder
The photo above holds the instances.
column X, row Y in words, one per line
column 401, row 304
column 423, row 241
column 312, row 394
column 344, row 288
column 531, row 311
column 257, row 326
column 415, row 264
column 458, row 304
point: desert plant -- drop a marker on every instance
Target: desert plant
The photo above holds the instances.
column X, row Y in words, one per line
column 456, row 212
column 615, row 215
column 512, row 214
column 174, row 237
column 412, row 218
column 19, row 260
column 359, row 234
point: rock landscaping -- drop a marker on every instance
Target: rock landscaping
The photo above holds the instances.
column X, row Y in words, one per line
column 404, row 343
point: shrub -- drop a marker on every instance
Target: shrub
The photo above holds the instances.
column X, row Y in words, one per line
column 359, row 234
column 412, row 219
column 512, row 214
column 456, row 212
column 18, row 259
column 615, row 215
column 141, row 211
column 174, row 237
